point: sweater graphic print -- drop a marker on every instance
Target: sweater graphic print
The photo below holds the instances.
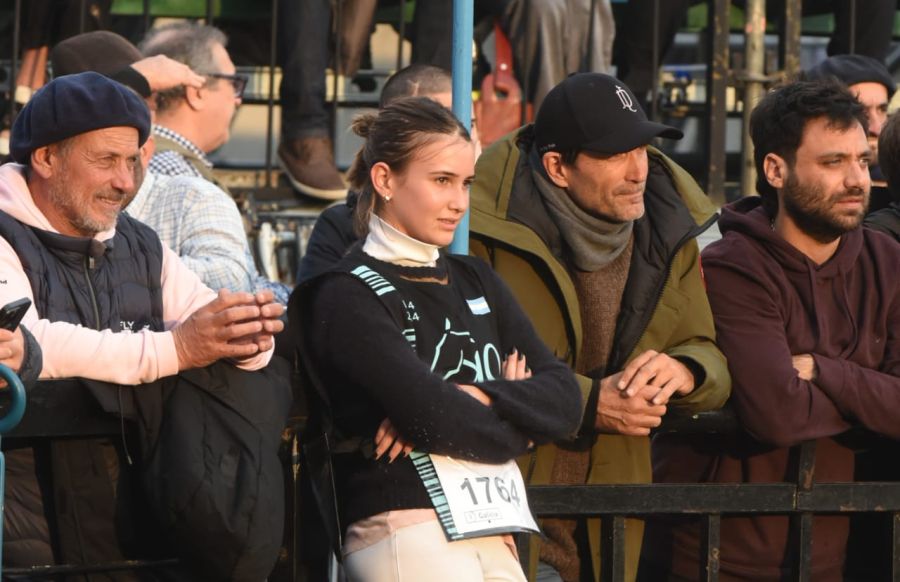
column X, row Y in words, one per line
column 456, row 354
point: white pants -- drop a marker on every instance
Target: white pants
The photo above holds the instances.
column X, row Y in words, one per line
column 421, row 552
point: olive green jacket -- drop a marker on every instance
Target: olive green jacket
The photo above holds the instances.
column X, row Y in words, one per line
column 664, row 306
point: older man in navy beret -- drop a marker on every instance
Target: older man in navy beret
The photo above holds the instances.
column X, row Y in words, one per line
column 110, row 302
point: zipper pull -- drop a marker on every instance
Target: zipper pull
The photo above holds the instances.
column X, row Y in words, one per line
column 91, row 263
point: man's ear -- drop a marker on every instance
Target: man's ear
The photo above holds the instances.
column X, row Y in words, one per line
column 45, row 161
column 775, row 169
column 556, row 169
column 195, row 97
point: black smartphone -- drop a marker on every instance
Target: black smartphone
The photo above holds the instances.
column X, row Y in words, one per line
column 13, row 312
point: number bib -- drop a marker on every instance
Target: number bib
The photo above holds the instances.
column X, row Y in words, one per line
column 475, row 499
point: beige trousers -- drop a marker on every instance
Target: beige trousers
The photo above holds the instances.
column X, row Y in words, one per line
column 421, row 552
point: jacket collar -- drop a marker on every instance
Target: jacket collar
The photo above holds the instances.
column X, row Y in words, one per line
column 504, row 190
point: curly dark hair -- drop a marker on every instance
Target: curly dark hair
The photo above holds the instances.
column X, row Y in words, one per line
column 778, row 121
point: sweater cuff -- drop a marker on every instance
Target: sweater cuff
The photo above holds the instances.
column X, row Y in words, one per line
column 590, row 399
column 134, row 80
column 166, row 354
column 830, row 378
column 32, row 360
column 697, row 371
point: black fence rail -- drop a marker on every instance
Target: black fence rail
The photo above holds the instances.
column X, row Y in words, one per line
column 65, row 409
column 800, row 499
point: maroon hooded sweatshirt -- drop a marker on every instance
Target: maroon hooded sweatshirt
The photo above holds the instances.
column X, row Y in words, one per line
column 770, row 302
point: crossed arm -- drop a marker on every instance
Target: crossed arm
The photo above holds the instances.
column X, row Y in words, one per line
column 785, row 396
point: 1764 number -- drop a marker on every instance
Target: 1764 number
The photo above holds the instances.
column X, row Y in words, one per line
column 508, row 494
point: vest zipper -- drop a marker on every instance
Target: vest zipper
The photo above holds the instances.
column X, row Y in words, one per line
column 89, row 264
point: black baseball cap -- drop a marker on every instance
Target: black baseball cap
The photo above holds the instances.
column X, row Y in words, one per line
column 597, row 113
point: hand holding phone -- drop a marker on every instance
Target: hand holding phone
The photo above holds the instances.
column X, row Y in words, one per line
column 13, row 312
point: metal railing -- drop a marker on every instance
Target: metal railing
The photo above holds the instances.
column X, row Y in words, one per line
column 800, row 499
column 57, row 409
column 64, row 409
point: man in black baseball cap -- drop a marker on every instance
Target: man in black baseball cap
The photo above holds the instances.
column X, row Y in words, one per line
column 594, row 231
column 617, row 124
column 872, row 84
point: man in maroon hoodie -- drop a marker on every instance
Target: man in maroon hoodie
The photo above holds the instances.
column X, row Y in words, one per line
column 807, row 311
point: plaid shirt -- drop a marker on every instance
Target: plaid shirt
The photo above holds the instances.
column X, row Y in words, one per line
column 171, row 163
column 203, row 225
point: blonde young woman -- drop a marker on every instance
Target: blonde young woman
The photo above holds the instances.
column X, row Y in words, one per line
column 427, row 357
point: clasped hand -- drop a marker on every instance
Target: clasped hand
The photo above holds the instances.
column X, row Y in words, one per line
column 634, row 400
column 233, row 325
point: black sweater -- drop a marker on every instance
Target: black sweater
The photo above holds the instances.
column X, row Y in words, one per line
column 365, row 358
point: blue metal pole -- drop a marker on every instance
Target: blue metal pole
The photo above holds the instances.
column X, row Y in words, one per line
column 7, row 423
column 463, row 31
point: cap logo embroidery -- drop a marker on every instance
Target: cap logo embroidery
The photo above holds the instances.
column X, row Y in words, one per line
column 625, row 99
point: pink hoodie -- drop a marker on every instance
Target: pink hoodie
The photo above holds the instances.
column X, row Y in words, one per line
column 76, row 351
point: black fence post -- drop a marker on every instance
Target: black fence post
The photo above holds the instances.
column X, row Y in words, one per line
column 401, row 34
column 612, row 548
column 146, row 15
column 801, row 522
column 14, row 63
column 712, row 527
column 716, row 90
column 654, row 65
column 270, row 112
column 337, row 69
column 789, row 41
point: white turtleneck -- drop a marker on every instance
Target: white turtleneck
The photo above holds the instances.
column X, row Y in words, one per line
column 388, row 244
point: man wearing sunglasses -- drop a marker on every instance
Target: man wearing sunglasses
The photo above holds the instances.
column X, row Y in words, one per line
column 192, row 122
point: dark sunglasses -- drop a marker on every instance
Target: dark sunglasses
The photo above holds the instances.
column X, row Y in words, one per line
column 238, row 82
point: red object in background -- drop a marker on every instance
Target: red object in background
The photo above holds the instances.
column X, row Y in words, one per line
column 498, row 110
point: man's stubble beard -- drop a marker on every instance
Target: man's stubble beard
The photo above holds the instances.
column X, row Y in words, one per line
column 813, row 213
column 76, row 209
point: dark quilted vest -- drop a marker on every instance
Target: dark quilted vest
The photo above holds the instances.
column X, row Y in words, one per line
column 113, row 285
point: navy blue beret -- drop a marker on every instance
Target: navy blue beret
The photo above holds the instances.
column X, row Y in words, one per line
column 75, row 104
column 853, row 69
